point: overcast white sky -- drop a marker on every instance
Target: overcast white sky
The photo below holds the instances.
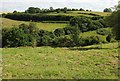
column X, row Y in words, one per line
column 95, row 5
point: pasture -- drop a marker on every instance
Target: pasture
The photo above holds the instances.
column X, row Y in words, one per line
column 80, row 13
column 90, row 62
column 8, row 23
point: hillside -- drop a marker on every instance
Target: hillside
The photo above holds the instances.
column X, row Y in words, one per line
column 96, row 61
column 81, row 13
column 8, row 23
column 46, row 59
column 51, row 25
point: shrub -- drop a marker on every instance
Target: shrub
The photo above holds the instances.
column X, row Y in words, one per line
column 102, row 31
column 69, row 30
column 16, row 37
column 98, row 24
column 32, row 30
column 46, row 40
column 25, row 28
column 63, row 41
column 89, row 40
column 97, row 18
column 59, row 32
column 86, row 24
column 24, row 35
column 107, row 10
column 108, row 38
column 74, row 32
column 45, row 37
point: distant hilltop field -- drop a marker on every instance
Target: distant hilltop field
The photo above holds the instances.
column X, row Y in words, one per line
column 5, row 12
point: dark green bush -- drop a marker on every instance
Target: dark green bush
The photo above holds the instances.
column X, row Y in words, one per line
column 37, row 17
column 25, row 28
column 107, row 10
column 63, row 41
column 45, row 38
column 59, row 32
column 31, row 29
column 89, row 40
column 86, row 24
column 108, row 38
column 70, row 30
column 24, row 35
column 97, row 18
column 102, row 31
column 16, row 37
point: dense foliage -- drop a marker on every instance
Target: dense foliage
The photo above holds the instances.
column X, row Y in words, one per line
column 37, row 17
column 87, row 24
column 16, row 37
column 25, row 35
column 90, row 40
column 103, row 31
column 33, row 10
column 30, row 35
column 114, row 21
column 107, row 10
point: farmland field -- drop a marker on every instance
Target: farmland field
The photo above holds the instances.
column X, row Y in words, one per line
column 96, row 61
column 8, row 23
column 80, row 13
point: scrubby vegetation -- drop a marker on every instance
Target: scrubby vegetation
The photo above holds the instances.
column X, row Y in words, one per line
column 87, row 24
column 69, row 36
column 114, row 21
column 30, row 35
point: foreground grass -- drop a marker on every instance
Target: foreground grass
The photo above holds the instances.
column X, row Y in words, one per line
column 8, row 23
column 54, row 63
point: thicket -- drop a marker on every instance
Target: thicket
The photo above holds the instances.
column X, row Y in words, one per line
column 87, row 24
column 84, row 41
column 25, row 35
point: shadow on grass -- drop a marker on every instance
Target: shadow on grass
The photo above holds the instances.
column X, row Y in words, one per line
column 85, row 49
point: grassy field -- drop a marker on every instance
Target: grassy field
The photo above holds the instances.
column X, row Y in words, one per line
column 5, row 12
column 94, row 33
column 80, row 13
column 74, row 13
column 8, row 23
column 90, row 62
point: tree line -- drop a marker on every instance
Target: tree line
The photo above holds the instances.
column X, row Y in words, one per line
column 36, row 17
column 43, row 17
column 34, row 10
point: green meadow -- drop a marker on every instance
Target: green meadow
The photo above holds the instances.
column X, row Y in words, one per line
column 89, row 62
column 81, row 13
column 8, row 23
